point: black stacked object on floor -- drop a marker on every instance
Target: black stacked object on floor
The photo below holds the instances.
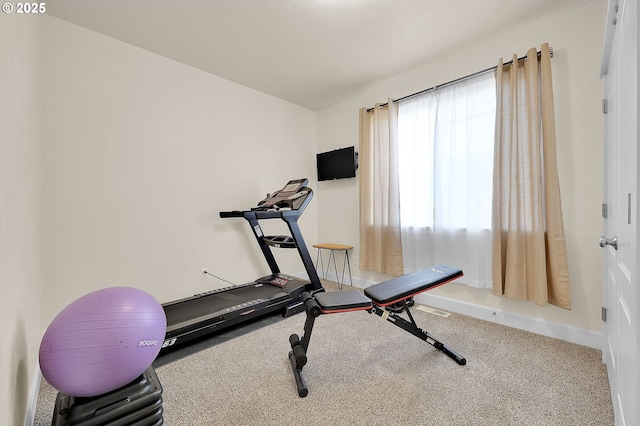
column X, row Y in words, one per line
column 137, row 404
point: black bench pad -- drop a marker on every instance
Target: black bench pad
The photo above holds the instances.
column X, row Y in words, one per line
column 342, row 301
column 401, row 288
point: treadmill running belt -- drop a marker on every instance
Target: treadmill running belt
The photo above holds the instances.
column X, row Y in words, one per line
column 213, row 304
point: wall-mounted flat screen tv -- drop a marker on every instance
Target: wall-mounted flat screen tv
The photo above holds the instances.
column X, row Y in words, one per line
column 337, row 164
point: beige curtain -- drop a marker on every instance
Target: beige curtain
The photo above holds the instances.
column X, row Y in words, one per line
column 529, row 249
column 380, row 241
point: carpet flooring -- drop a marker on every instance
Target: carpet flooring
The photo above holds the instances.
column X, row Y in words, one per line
column 363, row 370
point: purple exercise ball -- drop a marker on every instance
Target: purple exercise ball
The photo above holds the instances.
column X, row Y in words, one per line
column 102, row 341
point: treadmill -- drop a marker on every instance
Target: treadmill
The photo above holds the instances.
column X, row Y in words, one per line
column 216, row 310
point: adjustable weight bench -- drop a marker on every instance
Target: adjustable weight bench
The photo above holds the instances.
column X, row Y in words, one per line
column 384, row 299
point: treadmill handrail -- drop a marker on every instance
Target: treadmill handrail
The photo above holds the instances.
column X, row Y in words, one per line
column 272, row 213
column 290, row 217
column 235, row 213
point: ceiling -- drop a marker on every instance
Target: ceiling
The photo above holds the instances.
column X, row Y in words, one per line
column 313, row 53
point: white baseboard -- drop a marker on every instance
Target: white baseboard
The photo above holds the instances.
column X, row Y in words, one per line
column 571, row 334
column 33, row 397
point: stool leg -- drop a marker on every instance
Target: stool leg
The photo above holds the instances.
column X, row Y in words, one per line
column 346, row 261
column 335, row 268
column 319, row 256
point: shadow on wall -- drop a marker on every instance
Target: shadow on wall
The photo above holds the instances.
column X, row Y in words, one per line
column 19, row 361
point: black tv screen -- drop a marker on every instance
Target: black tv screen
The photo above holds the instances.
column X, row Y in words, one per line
column 337, row 164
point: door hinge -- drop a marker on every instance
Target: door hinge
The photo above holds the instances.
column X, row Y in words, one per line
column 604, row 314
column 605, row 210
column 605, row 106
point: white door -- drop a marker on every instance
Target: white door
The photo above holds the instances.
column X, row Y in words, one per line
column 620, row 340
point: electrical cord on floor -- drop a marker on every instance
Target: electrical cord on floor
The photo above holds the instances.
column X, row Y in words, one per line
column 215, row 276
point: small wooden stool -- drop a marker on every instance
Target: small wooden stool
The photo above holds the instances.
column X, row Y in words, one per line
column 332, row 255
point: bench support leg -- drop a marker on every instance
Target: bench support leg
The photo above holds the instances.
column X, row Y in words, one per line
column 303, row 390
column 298, row 353
column 411, row 327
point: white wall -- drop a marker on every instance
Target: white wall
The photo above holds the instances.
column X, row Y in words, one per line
column 20, row 233
column 140, row 155
column 576, row 37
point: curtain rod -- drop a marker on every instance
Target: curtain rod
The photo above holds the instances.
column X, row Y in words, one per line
column 522, row 58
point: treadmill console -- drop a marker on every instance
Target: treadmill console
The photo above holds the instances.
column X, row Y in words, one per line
column 284, row 281
column 285, row 197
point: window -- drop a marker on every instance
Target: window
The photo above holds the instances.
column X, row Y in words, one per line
column 445, row 150
column 445, row 140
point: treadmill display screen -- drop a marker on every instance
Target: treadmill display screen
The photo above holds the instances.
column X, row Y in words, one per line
column 290, row 187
